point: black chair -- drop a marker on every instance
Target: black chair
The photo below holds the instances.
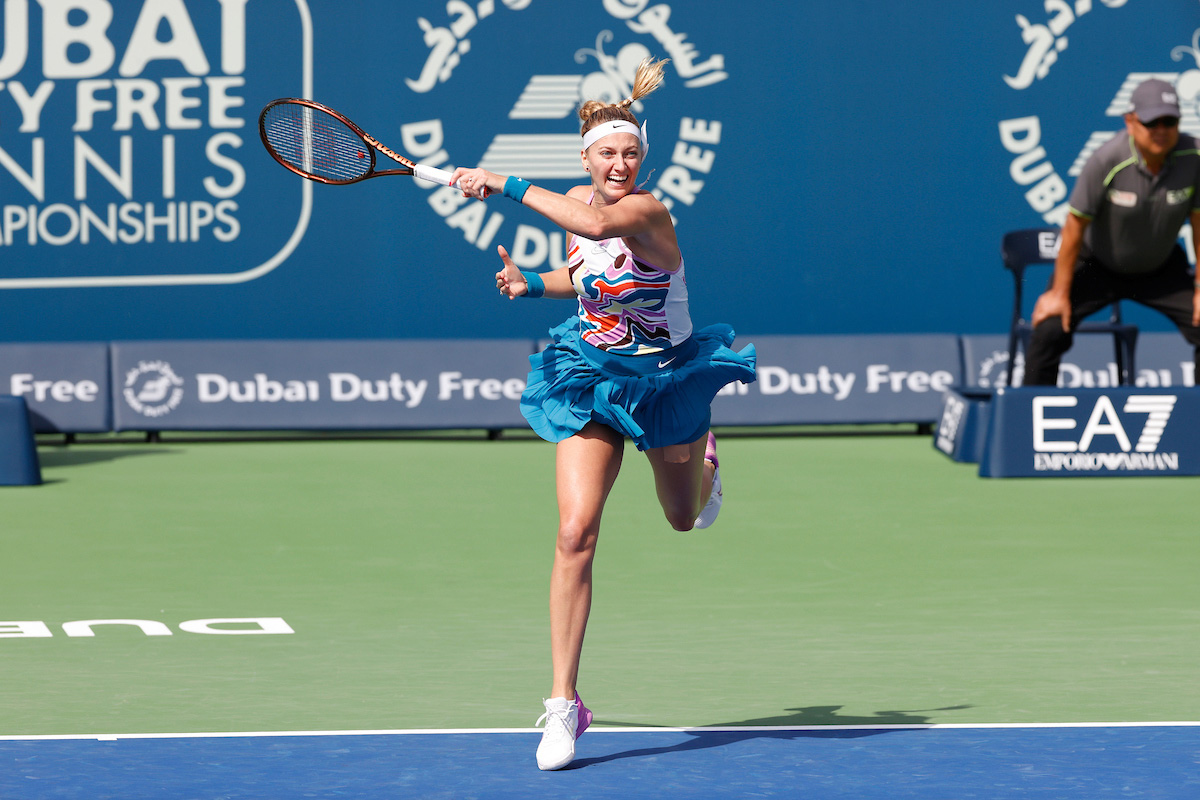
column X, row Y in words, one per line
column 1038, row 246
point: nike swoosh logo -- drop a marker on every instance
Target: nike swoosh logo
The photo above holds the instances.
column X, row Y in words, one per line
column 662, row 364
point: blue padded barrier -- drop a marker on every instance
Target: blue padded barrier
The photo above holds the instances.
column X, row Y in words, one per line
column 961, row 432
column 65, row 384
column 18, row 450
column 816, row 380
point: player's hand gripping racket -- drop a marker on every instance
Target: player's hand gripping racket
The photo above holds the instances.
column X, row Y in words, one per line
column 318, row 143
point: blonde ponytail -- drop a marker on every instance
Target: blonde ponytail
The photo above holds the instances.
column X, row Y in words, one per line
column 649, row 76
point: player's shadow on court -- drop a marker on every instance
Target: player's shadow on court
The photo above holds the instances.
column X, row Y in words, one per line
column 806, row 717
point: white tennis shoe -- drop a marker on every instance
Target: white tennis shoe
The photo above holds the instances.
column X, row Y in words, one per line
column 557, row 748
column 708, row 514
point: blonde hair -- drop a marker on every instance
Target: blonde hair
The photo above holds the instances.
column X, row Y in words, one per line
column 649, row 76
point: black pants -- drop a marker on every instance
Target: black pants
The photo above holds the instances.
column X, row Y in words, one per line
column 1168, row 289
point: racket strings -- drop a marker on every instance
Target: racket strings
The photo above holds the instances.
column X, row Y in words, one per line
column 316, row 143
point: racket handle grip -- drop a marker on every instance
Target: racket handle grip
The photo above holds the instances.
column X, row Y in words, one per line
column 432, row 174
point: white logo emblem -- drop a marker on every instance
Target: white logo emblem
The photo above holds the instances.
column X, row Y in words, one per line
column 952, row 416
column 1103, row 420
column 1059, row 453
column 1177, row 196
column 993, row 370
column 609, row 57
column 152, row 389
column 1122, row 199
column 1048, row 244
column 1044, row 188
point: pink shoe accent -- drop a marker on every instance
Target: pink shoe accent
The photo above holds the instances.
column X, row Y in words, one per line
column 710, row 450
column 585, row 717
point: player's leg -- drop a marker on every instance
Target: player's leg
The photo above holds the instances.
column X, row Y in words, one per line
column 586, row 468
column 711, row 503
column 683, row 480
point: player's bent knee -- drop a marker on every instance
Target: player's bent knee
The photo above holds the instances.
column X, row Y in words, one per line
column 681, row 521
column 576, row 539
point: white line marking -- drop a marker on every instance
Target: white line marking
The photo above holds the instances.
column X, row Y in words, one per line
column 108, row 737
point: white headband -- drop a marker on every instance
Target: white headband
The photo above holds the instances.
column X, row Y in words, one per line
column 617, row 126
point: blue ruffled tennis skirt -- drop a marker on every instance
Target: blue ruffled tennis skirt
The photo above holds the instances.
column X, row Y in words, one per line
column 656, row 400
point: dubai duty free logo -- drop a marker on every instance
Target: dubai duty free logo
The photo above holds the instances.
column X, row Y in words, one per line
column 601, row 67
column 152, row 389
column 1046, row 44
column 124, row 137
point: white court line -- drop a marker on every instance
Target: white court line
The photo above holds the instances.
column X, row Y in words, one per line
column 110, row 737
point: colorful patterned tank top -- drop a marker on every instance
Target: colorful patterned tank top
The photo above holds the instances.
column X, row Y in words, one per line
column 626, row 305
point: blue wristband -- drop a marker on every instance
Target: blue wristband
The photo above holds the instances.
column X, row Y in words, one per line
column 515, row 188
column 537, row 286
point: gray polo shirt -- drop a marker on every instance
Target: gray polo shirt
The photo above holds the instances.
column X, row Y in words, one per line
column 1135, row 216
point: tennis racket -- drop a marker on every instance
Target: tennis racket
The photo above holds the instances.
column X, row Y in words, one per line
column 318, row 143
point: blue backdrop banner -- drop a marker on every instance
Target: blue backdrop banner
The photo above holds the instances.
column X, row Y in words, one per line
column 843, row 379
column 412, row 384
column 332, row 385
column 962, row 428
column 1162, row 359
column 337, row 384
column 65, row 386
column 833, row 168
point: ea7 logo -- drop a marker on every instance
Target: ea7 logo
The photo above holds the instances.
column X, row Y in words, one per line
column 1048, row 245
column 1103, row 421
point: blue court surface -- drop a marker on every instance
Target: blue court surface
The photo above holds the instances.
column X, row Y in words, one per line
column 1060, row 762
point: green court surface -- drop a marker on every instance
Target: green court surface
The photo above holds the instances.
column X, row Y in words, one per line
column 851, row 579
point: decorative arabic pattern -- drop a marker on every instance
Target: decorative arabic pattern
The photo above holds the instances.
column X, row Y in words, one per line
column 682, row 52
column 448, row 44
column 535, row 152
column 1047, row 41
column 614, row 82
column 1188, row 86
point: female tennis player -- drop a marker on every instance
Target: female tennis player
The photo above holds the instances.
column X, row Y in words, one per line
column 626, row 365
